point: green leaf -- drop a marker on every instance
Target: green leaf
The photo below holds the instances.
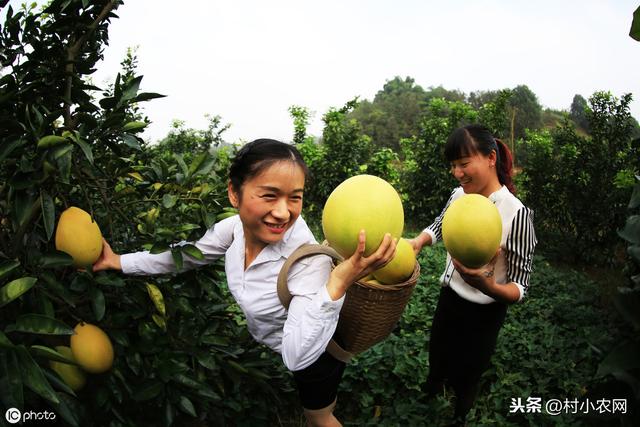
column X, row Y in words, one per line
column 68, row 409
column 8, row 148
column 4, row 341
column 185, row 404
column 158, row 248
column 107, row 279
column 51, row 141
column 97, row 303
column 58, row 288
column 39, row 324
column 57, row 382
column 11, row 388
column 148, row 390
column 33, row 377
column 202, row 164
column 86, row 149
column 169, row 200
column 146, row 96
column 7, row 267
column 50, row 354
column 132, row 89
column 621, row 359
column 134, row 126
column 131, row 141
column 176, row 253
column 15, row 288
column 56, row 259
column 48, row 213
column 181, row 163
column 193, row 252
column 634, row 32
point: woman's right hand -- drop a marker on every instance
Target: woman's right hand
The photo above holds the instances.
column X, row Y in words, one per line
column 108, row 260
column 357, row 266
column 418, row 242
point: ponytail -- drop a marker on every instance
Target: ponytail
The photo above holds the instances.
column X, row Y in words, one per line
column 504, row 166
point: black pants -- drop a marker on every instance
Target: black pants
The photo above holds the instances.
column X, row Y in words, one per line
column 318, row 383
column 463, row 339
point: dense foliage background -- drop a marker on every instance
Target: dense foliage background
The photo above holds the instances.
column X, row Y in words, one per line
column 186, row 357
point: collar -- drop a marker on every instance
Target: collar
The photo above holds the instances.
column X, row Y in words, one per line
column 271, row 252
column 499, row 195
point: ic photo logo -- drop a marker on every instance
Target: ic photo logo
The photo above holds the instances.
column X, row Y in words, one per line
column 13, row 415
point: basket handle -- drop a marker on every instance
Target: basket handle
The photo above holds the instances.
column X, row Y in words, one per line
column 285, row 296
column 303, row 251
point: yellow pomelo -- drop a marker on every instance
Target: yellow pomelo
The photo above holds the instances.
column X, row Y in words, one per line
column 472, row 230
column 71, row 374
column 79, row 236
column 91, row 348
column 362, row 202
column 400, row 268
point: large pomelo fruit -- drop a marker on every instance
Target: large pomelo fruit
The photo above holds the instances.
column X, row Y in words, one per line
column 400, row 268
column 91, row 348
column 79, row 236
column 362, row 202
column 71, row 374
column 472, row 230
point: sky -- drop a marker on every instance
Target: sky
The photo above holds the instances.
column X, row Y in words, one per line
column 250, row 60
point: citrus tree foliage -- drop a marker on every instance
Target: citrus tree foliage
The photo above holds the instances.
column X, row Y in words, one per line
column 426, row 179
column 579, row 185
column 181, row 349
column 623, row 361
column 338, row 156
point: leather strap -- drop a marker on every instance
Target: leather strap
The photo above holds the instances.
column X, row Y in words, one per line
column 285, row 296
column 302, row 251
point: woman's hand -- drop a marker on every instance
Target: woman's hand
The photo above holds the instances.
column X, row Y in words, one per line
column 483, row 278
column 358, row 266
column 108, row 260
column 418, row 242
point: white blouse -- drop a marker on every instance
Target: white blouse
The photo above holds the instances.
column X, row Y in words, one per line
column 518, row 243
column 300, row 334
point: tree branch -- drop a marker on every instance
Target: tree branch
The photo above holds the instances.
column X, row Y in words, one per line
column 72, row 52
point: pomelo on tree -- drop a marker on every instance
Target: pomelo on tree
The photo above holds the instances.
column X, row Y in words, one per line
column 401, row 266
column 79, row 236
column 70, row 374
column 472, row 230
column 362, row 202
column 91, row 348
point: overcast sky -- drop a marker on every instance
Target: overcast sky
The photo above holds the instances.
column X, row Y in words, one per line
column 249, row 60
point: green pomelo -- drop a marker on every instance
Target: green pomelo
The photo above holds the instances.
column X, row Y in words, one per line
column 362, row 202
column 70, row 374
column 472, row 230
column 400, row 268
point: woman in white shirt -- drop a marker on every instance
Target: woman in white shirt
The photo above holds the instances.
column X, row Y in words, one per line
column 473, row 302
column 266, row 184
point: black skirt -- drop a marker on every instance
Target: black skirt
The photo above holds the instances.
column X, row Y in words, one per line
column 463, row 338
column 318, row 383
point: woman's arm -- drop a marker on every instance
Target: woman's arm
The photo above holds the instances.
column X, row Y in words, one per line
column 213, row 245
column 314, row 310
column 484, row 280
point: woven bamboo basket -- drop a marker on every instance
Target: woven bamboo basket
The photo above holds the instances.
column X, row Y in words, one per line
column 369, row 313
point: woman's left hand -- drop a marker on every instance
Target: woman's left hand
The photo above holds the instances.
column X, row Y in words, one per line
column 482, row 278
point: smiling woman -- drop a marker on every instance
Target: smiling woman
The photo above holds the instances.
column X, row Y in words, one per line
column 266, row 185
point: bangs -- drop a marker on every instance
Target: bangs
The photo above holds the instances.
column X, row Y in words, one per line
column 459, row 144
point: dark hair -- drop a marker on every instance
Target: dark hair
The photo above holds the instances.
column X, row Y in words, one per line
column 472, row 139
column 257, row 155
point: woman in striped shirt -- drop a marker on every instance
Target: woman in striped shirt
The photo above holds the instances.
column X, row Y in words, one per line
column 473, row 302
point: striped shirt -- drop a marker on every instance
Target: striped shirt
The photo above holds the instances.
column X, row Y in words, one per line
column 518, row 243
